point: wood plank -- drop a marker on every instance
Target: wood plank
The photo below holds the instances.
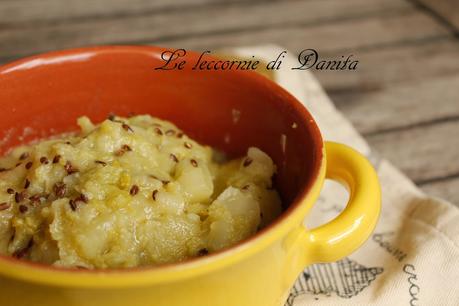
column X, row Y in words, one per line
column 12, row 12
column 402, row 105
column 384, row 67
column 329, row 38
column 447, row 9
column 423, row 153
column 236, row 25
column 56, row 10
column 446, row 189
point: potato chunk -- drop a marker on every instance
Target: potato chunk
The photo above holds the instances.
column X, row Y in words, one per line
column 234, row 216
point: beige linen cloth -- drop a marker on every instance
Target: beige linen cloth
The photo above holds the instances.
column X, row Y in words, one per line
column 412, row 258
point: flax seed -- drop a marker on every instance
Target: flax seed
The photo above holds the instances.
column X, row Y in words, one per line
column 247, row 162
column 173, row 157
column 73, row 205
column 60, row 189
column 158, row 131
column 56, row 159
column 19, row 197
column 69, row 168
column 24, row 156
column 134, row 190
column 23, row 209
column 194, row 163
column 35, row 199
column 203, row 252
column 124, row 148
column 4, row 206
column 170, row 133
column 127, row 128
column 82, row 198
column 101, row 163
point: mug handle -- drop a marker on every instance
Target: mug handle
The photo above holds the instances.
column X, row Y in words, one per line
column 349, row 230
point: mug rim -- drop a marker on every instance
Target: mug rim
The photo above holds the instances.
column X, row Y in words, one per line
column 124, row 277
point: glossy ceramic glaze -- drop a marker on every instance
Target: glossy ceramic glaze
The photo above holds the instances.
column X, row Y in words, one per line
column 230, row 110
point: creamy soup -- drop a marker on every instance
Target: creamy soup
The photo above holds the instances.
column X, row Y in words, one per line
column 129, row 192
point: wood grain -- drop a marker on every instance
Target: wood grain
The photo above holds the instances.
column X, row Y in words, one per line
column 447, row 9
column 405, row 63
column 329, row 38
column 33, row 11
column 402, row 104
column 446, row 189
column 423, row 153
column 236, row 25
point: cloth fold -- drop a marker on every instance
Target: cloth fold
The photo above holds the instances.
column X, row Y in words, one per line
column 412, row 256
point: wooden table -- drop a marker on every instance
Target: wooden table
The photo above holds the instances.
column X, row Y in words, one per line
column 404, row 98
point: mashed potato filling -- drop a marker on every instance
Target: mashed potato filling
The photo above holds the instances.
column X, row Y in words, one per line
column 129, row 192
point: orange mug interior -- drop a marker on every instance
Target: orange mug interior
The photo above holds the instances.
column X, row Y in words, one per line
column 229, row 110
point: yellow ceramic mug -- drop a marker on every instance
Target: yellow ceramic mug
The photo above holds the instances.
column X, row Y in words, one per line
column 58, row 87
